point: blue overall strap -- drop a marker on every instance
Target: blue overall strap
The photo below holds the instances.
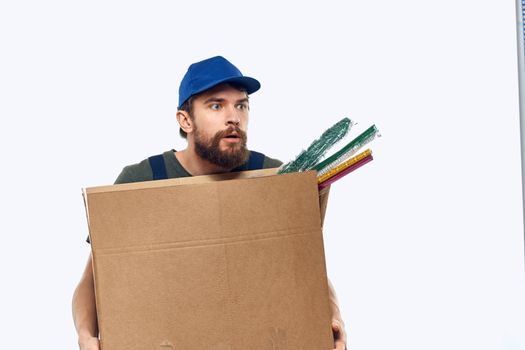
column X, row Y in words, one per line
column 255, row 162
column 158, row 167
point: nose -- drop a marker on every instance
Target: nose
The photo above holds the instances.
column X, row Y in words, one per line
column 233, row 116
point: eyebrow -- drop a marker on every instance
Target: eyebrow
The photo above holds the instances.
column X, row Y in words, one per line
column 218, row 99
column 214, row 99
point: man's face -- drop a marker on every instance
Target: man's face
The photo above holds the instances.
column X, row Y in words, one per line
column 220, row 119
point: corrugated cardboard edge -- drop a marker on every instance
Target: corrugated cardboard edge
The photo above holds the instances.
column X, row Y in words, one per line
column 85, row 197
column 182, row 181
column 323, row 202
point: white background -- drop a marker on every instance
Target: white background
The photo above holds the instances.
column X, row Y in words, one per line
column 424, row 245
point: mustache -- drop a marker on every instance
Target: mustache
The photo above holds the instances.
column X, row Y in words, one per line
column 232, row 129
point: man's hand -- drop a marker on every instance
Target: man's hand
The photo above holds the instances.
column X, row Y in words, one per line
column 338, row 329
column 338, row 326
column 85, row 310
column 88, row 343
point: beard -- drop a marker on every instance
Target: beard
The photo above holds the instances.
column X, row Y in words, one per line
column 235, row 154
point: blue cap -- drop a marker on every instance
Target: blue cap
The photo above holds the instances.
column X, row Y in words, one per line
column 204, row 75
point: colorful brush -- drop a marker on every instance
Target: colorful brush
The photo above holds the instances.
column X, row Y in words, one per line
column 317, row 149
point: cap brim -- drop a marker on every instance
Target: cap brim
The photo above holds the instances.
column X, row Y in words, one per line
column 250, row 84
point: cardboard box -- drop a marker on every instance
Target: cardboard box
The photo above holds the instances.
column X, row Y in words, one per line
column 196, row 263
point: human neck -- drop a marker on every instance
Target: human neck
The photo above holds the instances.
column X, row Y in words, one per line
column 195, row 165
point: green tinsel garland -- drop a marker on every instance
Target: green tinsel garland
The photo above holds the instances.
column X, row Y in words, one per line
column 310, row 157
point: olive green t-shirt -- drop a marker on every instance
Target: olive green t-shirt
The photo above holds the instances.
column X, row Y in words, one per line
column 142, row 171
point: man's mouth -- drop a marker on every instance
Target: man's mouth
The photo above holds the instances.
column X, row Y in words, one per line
column 232, row 136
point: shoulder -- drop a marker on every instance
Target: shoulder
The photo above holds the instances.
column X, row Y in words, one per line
column 135, row 173
column 271, row 162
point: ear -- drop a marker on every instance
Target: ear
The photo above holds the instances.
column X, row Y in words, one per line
column 185, row 121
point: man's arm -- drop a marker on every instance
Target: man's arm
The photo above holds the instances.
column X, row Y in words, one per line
column 338, row 326
column 85, row 311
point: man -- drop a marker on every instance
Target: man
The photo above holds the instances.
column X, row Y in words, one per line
column 213, row 116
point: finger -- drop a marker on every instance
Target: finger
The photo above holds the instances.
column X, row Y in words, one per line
column 339, row 335
column 339, row 345
column 338, row 329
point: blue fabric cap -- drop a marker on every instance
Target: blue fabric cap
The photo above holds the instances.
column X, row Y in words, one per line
column 204, row 75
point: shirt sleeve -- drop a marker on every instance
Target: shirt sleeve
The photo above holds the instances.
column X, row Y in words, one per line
column 135, row 173
column 124, row 177
column 271, row 162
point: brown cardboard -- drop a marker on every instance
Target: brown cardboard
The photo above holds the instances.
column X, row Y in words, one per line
column 323, row 202
column 196, row 263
